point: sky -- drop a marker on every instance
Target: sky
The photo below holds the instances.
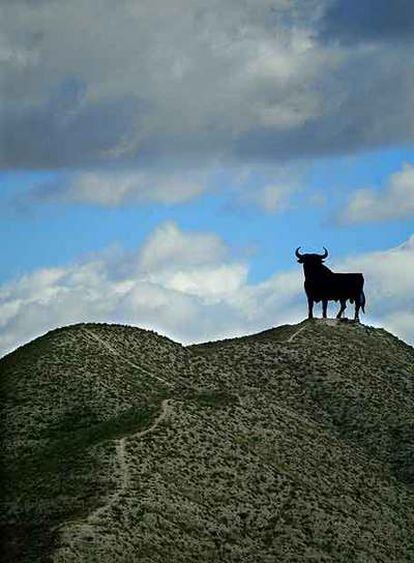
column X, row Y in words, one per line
column 160, row 161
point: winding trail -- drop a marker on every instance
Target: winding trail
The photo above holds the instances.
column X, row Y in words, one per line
column 122, row 454
column 88, row 527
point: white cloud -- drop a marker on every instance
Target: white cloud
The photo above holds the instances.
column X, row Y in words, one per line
column 209, row 283
column 109, row 188
column 271, row 188
column 389, row 286
column 190, row 262
column 395, row 201
column 169, row 246
column 274, row 197
column 181, row 283
column 186, row 284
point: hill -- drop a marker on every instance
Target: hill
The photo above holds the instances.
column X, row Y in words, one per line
column 294, row 444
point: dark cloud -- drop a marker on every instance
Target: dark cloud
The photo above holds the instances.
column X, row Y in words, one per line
column 57, row 134
column 348, row 21
column 368, row 104
column 132, row 83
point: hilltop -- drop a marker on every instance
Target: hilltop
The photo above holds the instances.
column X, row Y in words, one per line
column 294, row 444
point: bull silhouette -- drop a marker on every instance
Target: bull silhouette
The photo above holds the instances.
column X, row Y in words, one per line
column 321, row 284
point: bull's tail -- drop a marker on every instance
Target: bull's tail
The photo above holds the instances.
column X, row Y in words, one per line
column 362, row 301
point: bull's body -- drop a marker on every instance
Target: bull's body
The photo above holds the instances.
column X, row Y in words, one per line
column 321, row 284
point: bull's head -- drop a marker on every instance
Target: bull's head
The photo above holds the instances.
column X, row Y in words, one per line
column 310, row 258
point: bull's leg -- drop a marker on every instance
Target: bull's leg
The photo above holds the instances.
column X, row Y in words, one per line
column 310, row 308
column 342, row 309
column 357, row 308
column 324, row 307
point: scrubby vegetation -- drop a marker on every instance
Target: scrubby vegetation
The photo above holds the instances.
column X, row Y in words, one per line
column 295, row 444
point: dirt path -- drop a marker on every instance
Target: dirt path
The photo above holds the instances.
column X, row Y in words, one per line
column 121, row 454
column 88, row 527
column 294, row 335
column 114, row 351
column 75, row 532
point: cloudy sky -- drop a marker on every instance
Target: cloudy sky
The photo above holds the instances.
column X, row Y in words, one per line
column 161, row 160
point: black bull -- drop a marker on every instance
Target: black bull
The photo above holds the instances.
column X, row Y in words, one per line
column 323, row 285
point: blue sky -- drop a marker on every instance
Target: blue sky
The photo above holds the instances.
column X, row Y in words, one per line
column 55, row 234
column 251, row 129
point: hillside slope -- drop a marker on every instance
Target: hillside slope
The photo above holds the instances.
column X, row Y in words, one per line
column 295, row 444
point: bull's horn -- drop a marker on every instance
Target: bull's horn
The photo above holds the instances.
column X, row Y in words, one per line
column 325, row 255
column 297, row 253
